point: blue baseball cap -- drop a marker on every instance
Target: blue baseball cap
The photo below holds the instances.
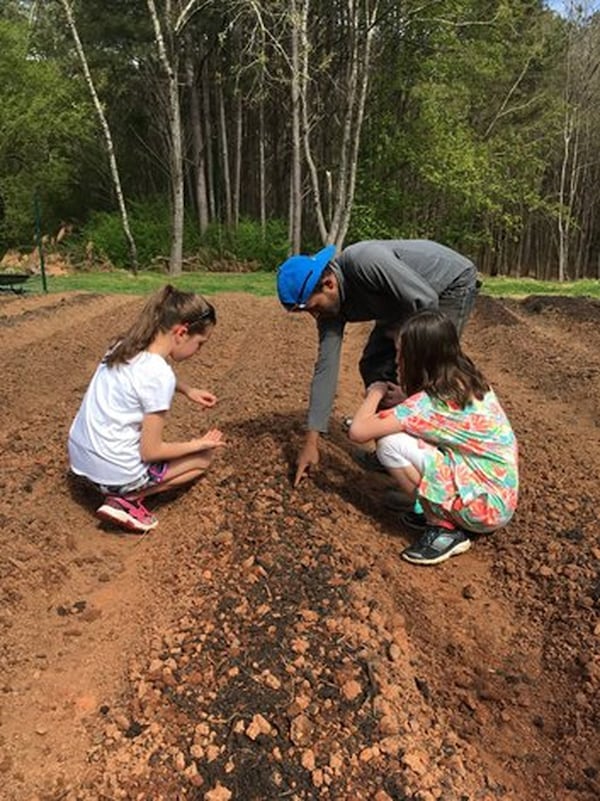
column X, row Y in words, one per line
column 298, row 276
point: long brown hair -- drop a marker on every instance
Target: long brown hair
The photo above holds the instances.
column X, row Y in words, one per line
column 431, row 360
column 166, row 308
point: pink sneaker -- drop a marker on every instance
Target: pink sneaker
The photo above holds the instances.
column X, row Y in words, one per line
column 131, row 515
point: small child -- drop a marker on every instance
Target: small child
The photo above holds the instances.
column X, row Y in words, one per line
column 449, row 445
column 116, row 440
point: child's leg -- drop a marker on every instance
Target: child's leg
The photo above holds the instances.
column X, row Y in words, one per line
column 401, row 455
column 179, row 472
column 126, row 508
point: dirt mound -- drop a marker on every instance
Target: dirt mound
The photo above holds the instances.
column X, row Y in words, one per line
column 266, row 642
column 495, row 313
column 580, row 309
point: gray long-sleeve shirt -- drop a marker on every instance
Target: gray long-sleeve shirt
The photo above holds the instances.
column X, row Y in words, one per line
column 383, row 280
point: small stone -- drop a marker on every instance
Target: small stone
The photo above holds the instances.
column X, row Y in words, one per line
column 394, row 652
column 258, row 725
column 301, row 731
column 367, row 754
column 218, row 793
column 416, row 761
column 308, row 760
column 317, row 777
column 351, row 690
column 223, row 538
column 212, row 752
column 336, row 763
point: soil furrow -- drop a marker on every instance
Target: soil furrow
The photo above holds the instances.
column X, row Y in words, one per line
column 268, row 642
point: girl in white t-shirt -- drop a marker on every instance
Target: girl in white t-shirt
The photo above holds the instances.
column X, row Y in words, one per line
column 116, row 440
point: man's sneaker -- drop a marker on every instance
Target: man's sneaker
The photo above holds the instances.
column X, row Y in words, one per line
column 368, row 460
column 436, row 545
column 131, row 515
column 396, row 501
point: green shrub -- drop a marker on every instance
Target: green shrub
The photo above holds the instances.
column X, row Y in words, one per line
column 240, row 249
column 246, row 243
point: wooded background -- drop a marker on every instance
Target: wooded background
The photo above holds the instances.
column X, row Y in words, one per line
column 472, row 122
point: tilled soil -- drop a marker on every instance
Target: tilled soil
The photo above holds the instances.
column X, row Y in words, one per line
column 268, row 643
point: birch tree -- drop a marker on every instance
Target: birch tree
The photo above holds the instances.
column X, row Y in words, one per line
column 580, row 99
column 114, row 170
column 359, row 23
column 297, row 12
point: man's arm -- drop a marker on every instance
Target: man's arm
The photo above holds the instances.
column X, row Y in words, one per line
column 322, row 393
column 325, row 376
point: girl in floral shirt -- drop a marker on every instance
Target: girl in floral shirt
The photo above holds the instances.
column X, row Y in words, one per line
column 449, row 445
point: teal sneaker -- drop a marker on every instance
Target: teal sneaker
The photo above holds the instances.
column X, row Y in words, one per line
column 436, row 545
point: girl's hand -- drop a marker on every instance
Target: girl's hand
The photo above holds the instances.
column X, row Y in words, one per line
column 212, row 439
column 202, row 397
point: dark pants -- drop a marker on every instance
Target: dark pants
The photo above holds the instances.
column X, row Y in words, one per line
column 378, row 361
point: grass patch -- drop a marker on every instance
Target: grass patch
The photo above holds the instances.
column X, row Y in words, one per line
column 263, row 284
column 122, row 282
column 522, row 287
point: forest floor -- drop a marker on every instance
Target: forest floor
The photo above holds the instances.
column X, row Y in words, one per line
column 268, row 643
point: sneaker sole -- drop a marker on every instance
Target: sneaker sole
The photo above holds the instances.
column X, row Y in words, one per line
column 459, row 548
column 121, row 518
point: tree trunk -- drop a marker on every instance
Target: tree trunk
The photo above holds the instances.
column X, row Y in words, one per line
column 295, row 212
column 261, row 167
column 361, row 21
column 208, row 140
column 237, row 176
column 198, row 155
column 114, row 170
column 224, row 153
column 176, row 148
column 358, row 123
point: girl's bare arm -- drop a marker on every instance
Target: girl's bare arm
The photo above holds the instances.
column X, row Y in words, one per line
column 154, row 449
column 368, row 423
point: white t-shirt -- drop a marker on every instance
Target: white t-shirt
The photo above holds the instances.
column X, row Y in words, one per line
column 104, row 440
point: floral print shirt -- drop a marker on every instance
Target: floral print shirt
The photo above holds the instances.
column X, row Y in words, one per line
column 471, row 468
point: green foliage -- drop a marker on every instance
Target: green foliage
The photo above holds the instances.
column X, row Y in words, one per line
column 44, row 124
column 150, row 226
column 248, row 243
column 462, row 125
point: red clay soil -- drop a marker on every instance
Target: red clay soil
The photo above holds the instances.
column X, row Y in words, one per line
column 268, row 643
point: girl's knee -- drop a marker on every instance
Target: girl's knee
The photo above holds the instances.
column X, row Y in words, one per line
column 396, row 450
column 386, row 449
